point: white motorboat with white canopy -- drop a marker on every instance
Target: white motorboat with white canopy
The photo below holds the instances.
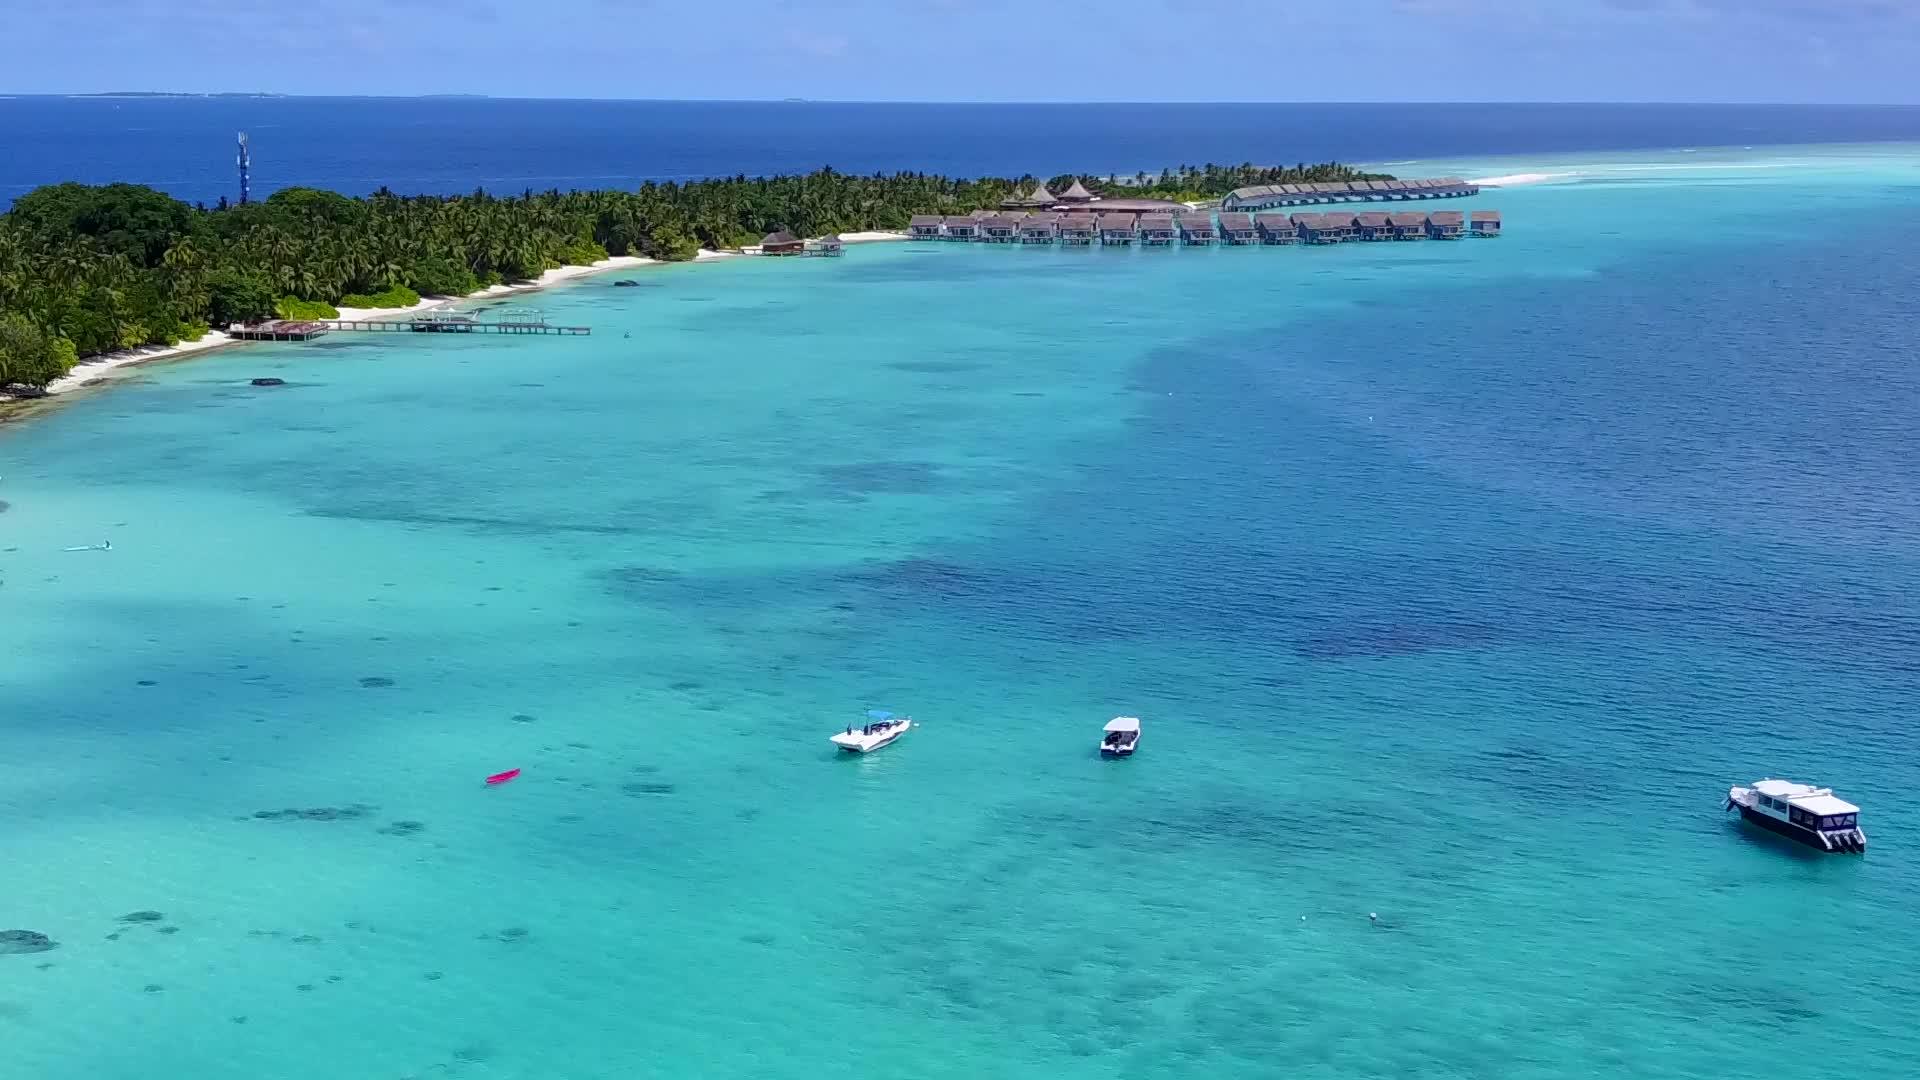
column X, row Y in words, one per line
column 881, row 728
column 1120, row 737
column 1811, row 815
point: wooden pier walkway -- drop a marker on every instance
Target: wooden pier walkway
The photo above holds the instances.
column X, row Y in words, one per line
column 308, row 329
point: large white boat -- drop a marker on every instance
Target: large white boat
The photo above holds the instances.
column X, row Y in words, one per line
column 881, row 728
column 1120, row 737
column 1811, row 815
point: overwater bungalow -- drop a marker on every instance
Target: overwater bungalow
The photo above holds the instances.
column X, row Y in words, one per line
column 1396, row 189
column 1156, row 230
column 828, row 246
column 1196, row 229
column 782, row 243
column 1409, row 225
column 1078, row 229
column 1117, row 228
column 1373, row 226
column 962, row 228
column 1320, row 228
column 1485, row 223
column 1446, row 225
column 999, row 230
column 1276, row 229
column 1237, row 229
column 924, row 227
column 1040, row 229
column 1245, row 196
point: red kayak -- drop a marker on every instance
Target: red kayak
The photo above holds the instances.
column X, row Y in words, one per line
column 503, row 777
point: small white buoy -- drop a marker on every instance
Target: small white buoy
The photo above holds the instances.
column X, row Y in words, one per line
column 1373, row 916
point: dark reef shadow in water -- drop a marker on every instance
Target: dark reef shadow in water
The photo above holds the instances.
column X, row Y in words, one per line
column 936, row 367
column 877, row 477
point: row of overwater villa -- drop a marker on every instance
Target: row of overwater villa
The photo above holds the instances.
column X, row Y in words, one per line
column 1077, row 216
column 1197, row 228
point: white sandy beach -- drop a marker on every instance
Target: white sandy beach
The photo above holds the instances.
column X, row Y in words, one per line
column 93, row 369
column 1517, row 179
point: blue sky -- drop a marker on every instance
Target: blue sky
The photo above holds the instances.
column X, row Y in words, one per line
column 981, row 50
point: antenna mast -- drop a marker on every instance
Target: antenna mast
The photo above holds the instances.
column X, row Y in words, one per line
column 246, row 162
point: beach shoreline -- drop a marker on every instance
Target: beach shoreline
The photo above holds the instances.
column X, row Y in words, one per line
column 96, row 371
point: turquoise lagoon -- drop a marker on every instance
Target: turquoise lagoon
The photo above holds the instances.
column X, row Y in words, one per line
column 1454, row 582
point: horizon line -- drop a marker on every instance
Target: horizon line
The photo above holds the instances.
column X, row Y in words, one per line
column 458, row 96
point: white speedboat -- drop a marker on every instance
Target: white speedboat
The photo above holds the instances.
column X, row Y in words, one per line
column 881, row 728
column 1802, row 812
column 1121, row 737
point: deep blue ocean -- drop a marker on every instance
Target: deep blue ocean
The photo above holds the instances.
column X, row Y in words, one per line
column 414, row 145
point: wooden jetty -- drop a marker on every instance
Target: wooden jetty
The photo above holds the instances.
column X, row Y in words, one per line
column 424, row 323
column 432, row 323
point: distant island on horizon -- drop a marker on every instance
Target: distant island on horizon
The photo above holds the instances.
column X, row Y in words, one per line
column 174, row 94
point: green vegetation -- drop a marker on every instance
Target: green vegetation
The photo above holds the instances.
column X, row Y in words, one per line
column 1191, row 184
column 292, row 307
column 395, row 296
column 90, row 269
column 29, row 355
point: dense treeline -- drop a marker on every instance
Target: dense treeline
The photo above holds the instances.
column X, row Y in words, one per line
column 87, row 269
column 1190, row 183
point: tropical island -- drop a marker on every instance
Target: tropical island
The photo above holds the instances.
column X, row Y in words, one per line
column 86, row 269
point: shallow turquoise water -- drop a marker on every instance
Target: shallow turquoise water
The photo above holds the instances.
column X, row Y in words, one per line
column 1453, row 582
